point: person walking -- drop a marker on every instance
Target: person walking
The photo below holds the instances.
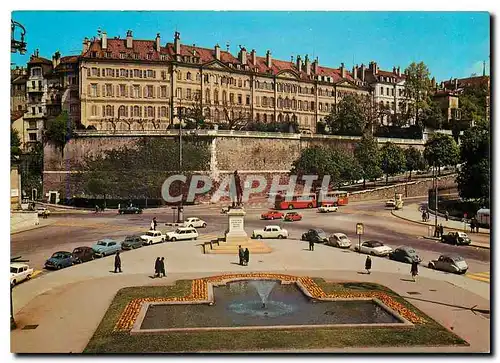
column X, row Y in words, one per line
column 441, row 230
column 96, row 209
column 311, row 245
column 423, row 216
column 241, row 254
column 414, row 269
column 162, row 267
column 368, row 264
column 477, row 224
column 246, row 256
column 446, row 216
column 118, row 262
column 157, row 267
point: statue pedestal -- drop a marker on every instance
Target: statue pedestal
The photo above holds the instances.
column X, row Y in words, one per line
column 236, row 232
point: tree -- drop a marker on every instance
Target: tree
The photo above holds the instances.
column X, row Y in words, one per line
column 392, row 160
column 414, row 159
column 368, row 156
column 474, row 176
column 417, row 87
column 441, row 150
column 15, row 145
column 60, row 130
column 433, row 117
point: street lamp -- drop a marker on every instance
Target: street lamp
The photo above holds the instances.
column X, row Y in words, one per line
column 180, row 109
column 17, row 45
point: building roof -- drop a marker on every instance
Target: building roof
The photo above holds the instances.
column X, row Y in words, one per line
column 118, row 46
column 468, row 82
column 70, row 59
column 39, row 60
column 16, row 115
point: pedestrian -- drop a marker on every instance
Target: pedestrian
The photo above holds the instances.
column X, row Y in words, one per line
column 423, row 216
column 157, row 267
column 246, row 255
column 471, row 224
column 414, row 269
column 477, row 225
column 446, row 215
column 96, row 209
column 311, row 245
column 241, row 254
column 368, row 264
column 441, row 230
column 118, row 206
column 118, row 262
column 155, row 223
column 162, row 267
column 152, row 225
column 45, row 214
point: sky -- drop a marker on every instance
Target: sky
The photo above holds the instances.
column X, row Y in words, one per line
column 452, row 44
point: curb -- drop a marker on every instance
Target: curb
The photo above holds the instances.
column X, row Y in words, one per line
column 425, row 224
column 471, row 245
column 31, row 228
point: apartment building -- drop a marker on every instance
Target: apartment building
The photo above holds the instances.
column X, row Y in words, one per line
column 18, row 80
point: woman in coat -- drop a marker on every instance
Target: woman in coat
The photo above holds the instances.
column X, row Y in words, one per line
column 414, row 269
column 368, row 264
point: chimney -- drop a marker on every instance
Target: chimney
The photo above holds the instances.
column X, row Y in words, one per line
column 217, row 52
column 315, row 65
column 243, row 56
column 269, row 59
column 104, row 40
column 343, row 72
column 177, row 43
column 129, row 39
column 355, row 72
column 56, row 59
column 373, row 67
column 86, row 45
column 363, row 71
column 253, row 57
column 455, row 82
column 433, row 82
column 394, row 71
column 299, row 63
column 398, row 71
column 157, row 42
column 308, row 65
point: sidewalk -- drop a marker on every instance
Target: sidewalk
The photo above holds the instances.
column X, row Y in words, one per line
column 411, row 213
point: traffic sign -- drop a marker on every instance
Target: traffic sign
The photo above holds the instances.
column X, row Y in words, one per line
column 359, row 228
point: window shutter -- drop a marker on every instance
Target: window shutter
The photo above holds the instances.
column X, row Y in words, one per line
column 140, row 111
column 104, row 110
column 97, row 90
column 158, row 92
column 153, row 89
column 104, row 90
column 154, row 74
column 126, row 91
column 98, row 72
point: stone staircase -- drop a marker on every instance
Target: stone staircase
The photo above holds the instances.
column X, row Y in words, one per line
column 220, row 246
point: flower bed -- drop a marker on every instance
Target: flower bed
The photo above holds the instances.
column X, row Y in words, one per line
column 199, row 293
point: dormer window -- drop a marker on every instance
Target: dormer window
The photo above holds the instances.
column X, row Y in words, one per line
column 93, row 54
column 163, row 57
column 136, row 55
column 122, row 55
column 149, row 56
column 108, row 55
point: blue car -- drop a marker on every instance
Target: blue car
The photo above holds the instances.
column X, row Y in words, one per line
column 60, row 260
column 106, row 246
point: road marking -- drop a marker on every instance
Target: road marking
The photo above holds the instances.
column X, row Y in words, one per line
column 36, row 273
column 480, row 276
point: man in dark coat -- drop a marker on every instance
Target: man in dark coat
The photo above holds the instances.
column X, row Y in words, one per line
column 414, row 269
column 118, row 262
column 155, row 223
column 162, row 267
column 241, row 254
column 246, row 256
column 368, row 264
column 157, row 267
column 311, row 245
column 446, row 215
column 441, row 230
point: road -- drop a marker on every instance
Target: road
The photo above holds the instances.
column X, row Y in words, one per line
column 72, row 230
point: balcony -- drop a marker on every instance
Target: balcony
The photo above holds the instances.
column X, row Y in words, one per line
column 29, row 115
column 31, row 88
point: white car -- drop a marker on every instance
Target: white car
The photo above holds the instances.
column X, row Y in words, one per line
column 195, row 222
column 42, row 210
column 375, row 248
column 326, row 208
column 390, row 203
column 19, row 272
column 182, row 233
column 270, row 232
column 151, row 237
column 339, row 240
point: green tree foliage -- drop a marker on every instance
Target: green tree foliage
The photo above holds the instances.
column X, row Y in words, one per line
column 60, row 130
column 474, row 177
column 473, row 102
column 347, row 118
column 392, row 160
column 15, row 145
column 338, row 164
column 441, row 150
column 417, row 87
column 31, row 169
column 414, row 160
column 433, row 116
column 368, row 156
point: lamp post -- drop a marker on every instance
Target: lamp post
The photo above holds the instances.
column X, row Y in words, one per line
column 17, row 45
column 180, row 109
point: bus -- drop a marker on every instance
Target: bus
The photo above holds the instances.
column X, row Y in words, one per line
column 281, row 201
column 336, row 197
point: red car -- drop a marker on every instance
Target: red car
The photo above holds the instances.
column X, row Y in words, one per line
column 292, row 216
column 272, row 214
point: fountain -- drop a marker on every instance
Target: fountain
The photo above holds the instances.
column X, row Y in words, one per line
column 263, row 288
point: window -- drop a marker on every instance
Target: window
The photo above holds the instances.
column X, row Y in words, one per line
column 163, row 91
column 178, row 92
column 198, row 77
column 109, row 90
column 123, row 72
column 239, row 83
column 265, row 117
column 188, row 93
column 216, row 97
column 312, row 105
column 122, row 111
column 149, row 91
column 137, row 73
column 123, row 90
column 240, row 99
column 137, row 91
column 137, row 111
column 231, row 98
column 36, row 72
column 149, row 56
column 179, row 75
column 122, row 55
column 93, row 90
column 93, row 110
column 163, row 57
column 40, row 110
column 387, row 91
column 224, row 97
column 207, row 95
column 247, row 100
column 150, row 73
column 109, row 72
column 150, row 111
column 163, row 111
column 206, row 78
column 109, row 111
column 136, row 55
column 188, row 76
column 217, row 115
column 320, row 106
column 32, row 136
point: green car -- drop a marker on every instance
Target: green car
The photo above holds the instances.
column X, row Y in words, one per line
column 130, row 210
column 132, row 242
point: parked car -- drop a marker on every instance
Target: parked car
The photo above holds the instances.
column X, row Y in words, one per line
column 42, row 210
column 327, row 208
column 405, row 254
column 292, row 216
column 195, row 222
column 449, row 263
column 151, row 237
column 182, row 233
column 59, row 260
column 390, row 203
column 456, row 238
column 316, row 235
column 83, row 254
column 375, row 248
column 270, row 232
column 106, row 246
column 339, row 240
column 19, row 272
column 272, row 214
column 132, row 242
column 130, row 210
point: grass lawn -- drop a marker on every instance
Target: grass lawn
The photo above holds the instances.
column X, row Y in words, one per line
column 106, row 341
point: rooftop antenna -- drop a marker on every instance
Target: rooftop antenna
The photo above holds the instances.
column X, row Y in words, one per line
column 484, row 68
